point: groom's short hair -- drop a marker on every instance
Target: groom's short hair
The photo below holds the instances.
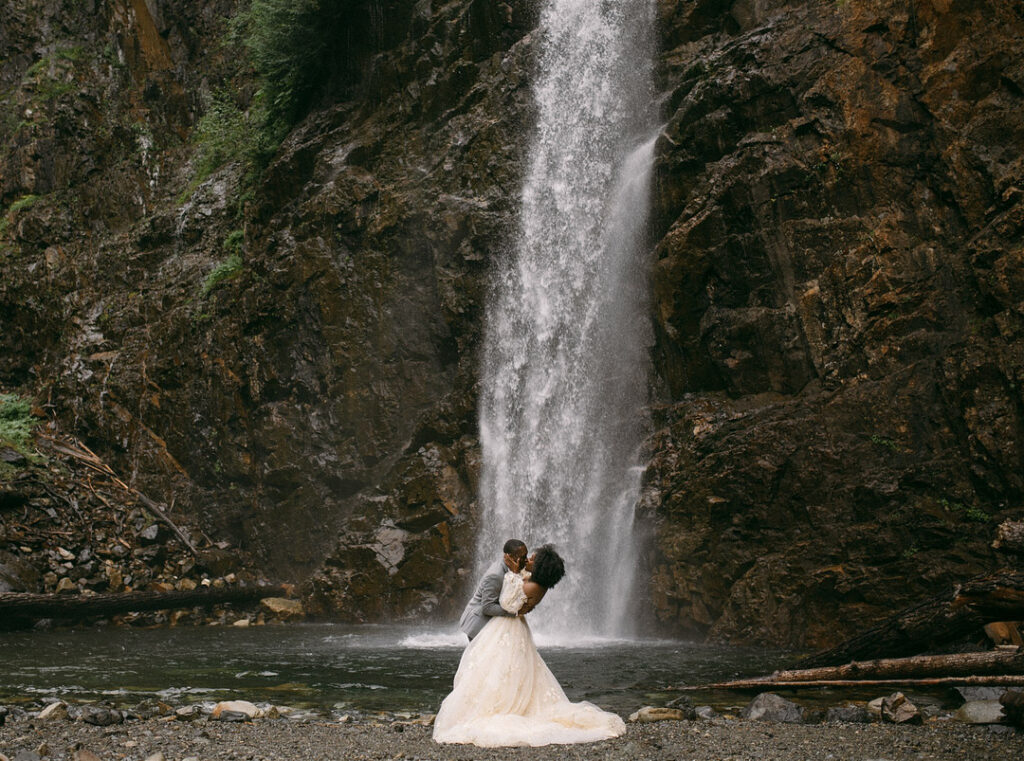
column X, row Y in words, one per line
column 512, row 545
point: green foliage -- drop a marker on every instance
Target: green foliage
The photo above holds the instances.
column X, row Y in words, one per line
column 21, row 204
column 227, row 269
column 233, row 243
column 223, row 135
column 53, row 75
column 291, row 44
column 971, row 513
column 16, row 420
column 226, row 134
column 881, row 441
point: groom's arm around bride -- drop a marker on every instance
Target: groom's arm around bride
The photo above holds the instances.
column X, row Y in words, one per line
column 484, row 605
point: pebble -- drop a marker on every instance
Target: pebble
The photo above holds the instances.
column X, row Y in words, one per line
column 658, row 741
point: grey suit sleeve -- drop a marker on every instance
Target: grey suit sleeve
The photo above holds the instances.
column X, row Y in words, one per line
column 492, row 586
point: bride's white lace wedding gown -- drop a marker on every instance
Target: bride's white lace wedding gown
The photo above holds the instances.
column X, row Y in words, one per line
column 505, row 694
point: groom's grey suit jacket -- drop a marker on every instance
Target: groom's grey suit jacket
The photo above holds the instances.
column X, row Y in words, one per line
column 484, row 602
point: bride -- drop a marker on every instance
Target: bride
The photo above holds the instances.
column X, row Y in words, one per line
column 504, row 693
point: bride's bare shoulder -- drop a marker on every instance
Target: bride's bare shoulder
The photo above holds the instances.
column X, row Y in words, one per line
column 533, row 590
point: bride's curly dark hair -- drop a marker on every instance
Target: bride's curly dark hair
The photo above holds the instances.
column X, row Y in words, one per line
column 548, row 567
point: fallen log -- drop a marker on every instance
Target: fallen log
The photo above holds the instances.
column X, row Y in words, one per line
column 1008, row 661
column 994, row 680
column 17, row 608
column 1005, row 664
column 994, row 597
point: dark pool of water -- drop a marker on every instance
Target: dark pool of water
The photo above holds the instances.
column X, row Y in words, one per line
column 331, row 668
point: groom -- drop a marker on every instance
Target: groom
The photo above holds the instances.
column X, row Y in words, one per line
column 484, row 603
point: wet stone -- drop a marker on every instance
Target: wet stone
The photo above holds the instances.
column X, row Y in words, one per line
column 848, row 714
column 101, row 717
column 771, row 707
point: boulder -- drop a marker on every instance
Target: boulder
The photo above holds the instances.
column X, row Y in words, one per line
column 898, row 710
column 246, row 710
column 57, row 710
column 651, row 714
column 101, row 716
column 1010, row 536
column 980, row 693
column 706, row 713
column 283, row 608
column 188, row 713
column 17, row 575
column 1013, row 706
column 1004, row 633
column 771, row 707
column 3, row 715
column 684, row 704
column 980, row 712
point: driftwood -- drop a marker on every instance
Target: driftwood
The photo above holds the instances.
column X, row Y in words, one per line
column 83, row 454
column 983, row 599
column 995, row 667
column 18, row 607
column 1008, row 680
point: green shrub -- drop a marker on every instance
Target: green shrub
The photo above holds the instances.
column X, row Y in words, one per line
column 16, row 420
column 227, row 269
column 971, row 513
column 882, row 441
column 233, row 243
column 23, row 203
column 223, row 134
column 297, row 47
column 20, row 205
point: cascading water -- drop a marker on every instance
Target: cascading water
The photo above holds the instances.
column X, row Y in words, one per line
column 564, row 378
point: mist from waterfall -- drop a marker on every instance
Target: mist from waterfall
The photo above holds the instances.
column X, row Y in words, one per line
column 564, row 376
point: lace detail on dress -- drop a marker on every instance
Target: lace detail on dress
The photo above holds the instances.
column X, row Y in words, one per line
column 512, row 596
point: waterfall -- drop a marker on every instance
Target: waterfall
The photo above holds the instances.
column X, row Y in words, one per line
column 564, row 376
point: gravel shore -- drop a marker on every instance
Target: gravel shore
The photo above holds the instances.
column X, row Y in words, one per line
column 25, row 739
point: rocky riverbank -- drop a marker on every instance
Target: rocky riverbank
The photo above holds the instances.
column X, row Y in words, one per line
column 69, row 526
column 26, row 738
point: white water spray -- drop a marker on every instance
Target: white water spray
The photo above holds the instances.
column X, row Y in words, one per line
column 564, row 378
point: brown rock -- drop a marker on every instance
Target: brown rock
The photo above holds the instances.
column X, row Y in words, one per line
column 649, row 714
column 280, row 607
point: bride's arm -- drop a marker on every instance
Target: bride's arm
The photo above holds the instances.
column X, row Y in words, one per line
column 512, row 595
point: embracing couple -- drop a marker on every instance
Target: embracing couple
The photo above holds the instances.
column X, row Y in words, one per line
column 504, row 693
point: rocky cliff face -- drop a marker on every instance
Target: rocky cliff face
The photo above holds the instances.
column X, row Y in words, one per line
column 837, row 293
column 838, row 308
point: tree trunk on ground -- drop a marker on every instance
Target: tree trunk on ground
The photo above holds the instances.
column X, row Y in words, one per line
column 995, row 597
column 20, row 609
column 992, row 667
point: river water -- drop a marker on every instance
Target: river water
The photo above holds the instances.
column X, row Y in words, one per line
column 334, row 670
